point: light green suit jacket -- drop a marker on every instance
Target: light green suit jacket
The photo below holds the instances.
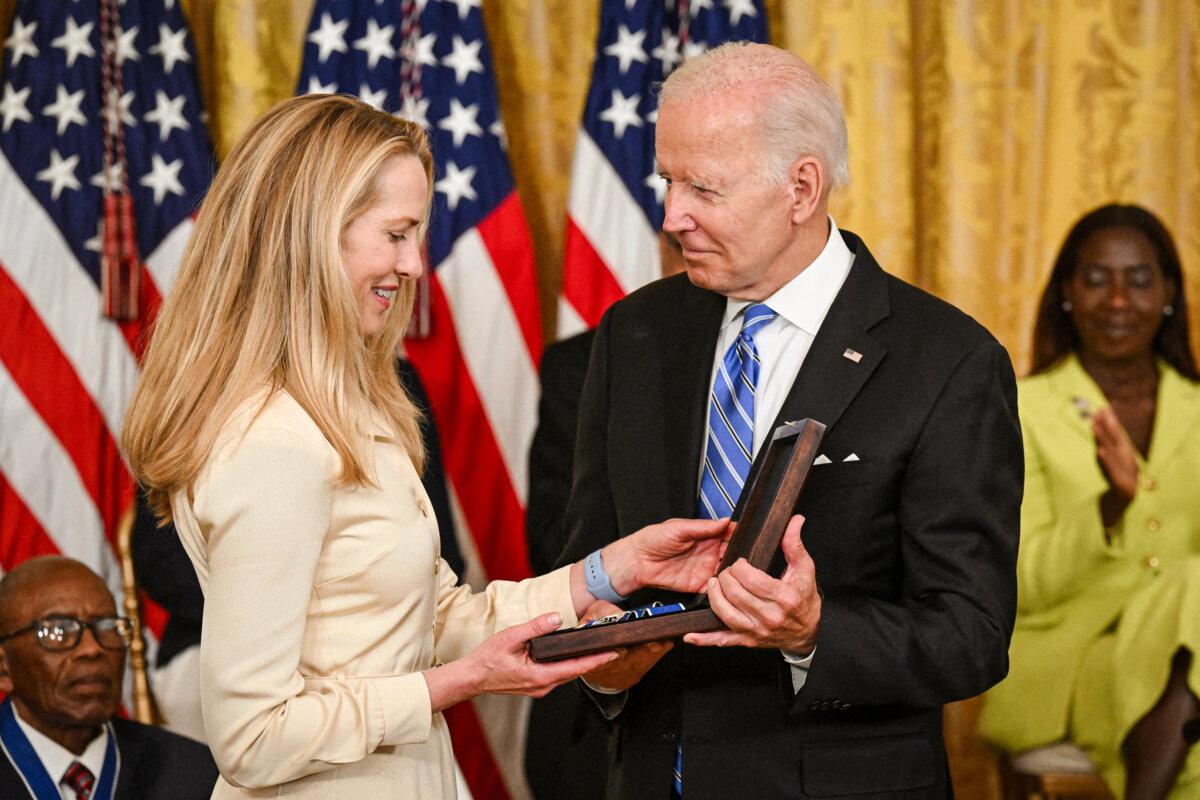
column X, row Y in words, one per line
column 1073, row 583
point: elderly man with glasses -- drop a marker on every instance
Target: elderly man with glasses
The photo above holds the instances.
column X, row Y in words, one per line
column 62, row 663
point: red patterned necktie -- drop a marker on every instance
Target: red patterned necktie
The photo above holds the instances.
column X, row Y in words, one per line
column 79, row 779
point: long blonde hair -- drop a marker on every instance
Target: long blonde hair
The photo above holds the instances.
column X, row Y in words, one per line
column 262, row 299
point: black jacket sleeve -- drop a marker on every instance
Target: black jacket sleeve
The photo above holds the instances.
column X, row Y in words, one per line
column 552, row 454
column 434, row 479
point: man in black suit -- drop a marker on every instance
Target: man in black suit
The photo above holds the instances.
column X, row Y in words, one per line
column 62, row 660
column 899, row 594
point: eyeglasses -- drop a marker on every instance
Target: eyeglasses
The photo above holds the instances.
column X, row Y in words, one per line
column 59, row 634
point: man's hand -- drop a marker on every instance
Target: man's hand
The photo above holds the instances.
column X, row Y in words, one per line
column 632, row 663
column 760, row 611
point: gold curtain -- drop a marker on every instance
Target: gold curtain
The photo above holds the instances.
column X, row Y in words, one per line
column 979, row 130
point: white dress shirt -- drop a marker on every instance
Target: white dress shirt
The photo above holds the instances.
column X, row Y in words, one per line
column 57, row 759
column 800, row 306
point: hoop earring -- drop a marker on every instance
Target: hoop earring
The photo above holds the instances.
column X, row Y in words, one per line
column 1168, row 310
column 1066, row 306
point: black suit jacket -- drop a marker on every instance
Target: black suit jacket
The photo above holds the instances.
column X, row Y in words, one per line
column 566, row 742
column 563, row 369
column 914, row 543
column 155, row 765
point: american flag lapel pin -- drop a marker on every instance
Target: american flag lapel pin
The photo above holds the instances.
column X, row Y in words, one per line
column 853, row 355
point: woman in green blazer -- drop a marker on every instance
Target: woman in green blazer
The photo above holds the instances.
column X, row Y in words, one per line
column 1109, row 568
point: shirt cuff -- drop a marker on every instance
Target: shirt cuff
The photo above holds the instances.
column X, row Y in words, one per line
column 406, row 711
column 611, row 702
column 600, row 689
column 799, row 666
column 797, row 660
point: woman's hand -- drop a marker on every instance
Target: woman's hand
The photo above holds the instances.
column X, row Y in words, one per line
column 501, row 665
column 679, row 554
column 1118, row 460
column 1115, row 452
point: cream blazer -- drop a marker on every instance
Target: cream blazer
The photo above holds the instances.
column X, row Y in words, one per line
column 322, row 607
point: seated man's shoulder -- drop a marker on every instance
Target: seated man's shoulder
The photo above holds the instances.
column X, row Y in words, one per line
column 159, row 759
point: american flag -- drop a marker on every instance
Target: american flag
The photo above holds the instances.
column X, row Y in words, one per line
column 429, row 60
column 615, row 206
column 66, row 369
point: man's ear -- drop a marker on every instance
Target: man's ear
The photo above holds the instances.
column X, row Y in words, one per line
column 806, row 186
column 6, row 685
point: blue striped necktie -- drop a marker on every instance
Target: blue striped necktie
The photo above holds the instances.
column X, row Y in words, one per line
column 730, row 447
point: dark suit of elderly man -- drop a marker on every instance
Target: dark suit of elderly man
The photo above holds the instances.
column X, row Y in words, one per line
column 899, row 591
column 62, row 660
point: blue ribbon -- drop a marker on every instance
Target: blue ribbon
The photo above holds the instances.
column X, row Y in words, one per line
column 39, row 783
column 655, row 609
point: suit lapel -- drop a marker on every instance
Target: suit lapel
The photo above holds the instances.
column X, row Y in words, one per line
column 1175, row 412
column 127, row 762
column 689, row 357
column 830, row 378
column 1077, row 393
column 1178, row 411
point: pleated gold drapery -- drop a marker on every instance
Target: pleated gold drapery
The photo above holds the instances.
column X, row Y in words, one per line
column 979, row 129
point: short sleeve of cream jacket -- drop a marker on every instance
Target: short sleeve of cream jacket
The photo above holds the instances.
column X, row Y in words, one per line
column 323, row 604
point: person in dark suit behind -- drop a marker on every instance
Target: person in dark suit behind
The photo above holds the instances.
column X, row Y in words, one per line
column 62, row 659
column 563, row 368
column 166, row 573
column 899, row 594
column 566, row 741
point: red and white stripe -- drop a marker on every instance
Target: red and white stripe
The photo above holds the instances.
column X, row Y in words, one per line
column 479, row 368
column 66, row 375
column 610, row 249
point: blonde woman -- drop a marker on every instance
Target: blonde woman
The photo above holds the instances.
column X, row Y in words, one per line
column 269, row 424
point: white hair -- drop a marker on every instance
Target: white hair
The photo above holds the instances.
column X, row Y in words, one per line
column 801, row 116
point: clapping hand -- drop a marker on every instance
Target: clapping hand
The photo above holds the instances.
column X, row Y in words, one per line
column 1115, row 452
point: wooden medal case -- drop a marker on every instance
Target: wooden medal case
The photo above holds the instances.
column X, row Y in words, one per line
column 762, row 513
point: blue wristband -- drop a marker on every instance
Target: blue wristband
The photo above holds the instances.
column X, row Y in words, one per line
column 597, row 580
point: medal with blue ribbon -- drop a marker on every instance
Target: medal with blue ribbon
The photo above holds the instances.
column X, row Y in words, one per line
column 39, row 783
column 655, row 609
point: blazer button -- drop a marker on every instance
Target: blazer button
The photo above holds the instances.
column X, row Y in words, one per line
column 1149, row 484
column 1151, row 562
column 815, row 705
column 1153, row 524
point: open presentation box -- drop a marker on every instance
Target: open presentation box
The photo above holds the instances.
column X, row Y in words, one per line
column 762, row 513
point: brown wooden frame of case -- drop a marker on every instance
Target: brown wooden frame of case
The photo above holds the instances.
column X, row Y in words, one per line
column 763, row 513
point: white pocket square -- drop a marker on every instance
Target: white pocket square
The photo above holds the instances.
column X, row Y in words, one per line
column 821, row 459
column 851, row 457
